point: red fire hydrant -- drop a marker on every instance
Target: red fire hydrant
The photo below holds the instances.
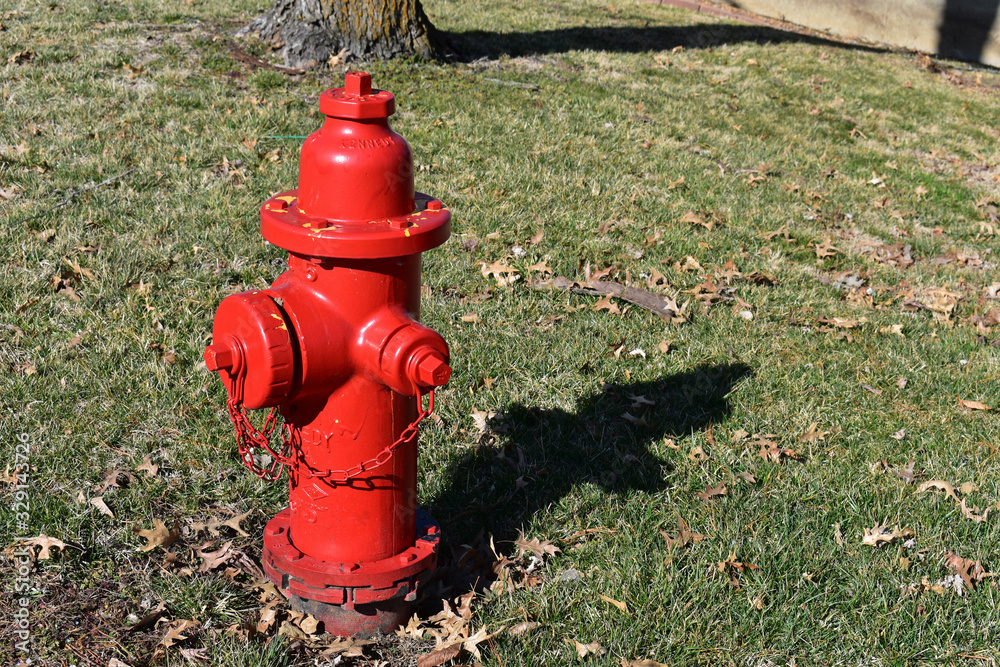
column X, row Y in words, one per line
column 335, row 346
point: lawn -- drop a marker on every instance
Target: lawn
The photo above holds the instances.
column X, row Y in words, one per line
column 799, row 468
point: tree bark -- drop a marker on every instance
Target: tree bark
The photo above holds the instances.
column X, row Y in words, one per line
column 310, row 31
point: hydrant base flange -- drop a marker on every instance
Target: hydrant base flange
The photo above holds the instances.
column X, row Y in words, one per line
column 363, row 621
column 367, row 588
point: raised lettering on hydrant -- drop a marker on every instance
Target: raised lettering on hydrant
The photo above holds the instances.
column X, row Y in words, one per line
column 336, row 349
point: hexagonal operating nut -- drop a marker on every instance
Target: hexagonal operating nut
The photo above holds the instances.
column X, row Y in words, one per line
column 219, row 357
column 433, row 370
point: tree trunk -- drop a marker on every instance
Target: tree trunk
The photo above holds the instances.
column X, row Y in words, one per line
column 310, row 31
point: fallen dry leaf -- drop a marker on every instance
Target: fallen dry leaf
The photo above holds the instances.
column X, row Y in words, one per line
column 234, row 523
column 101, row 506
column 813, row 434
column 504, row 274
column 414, row 628
column 826, row 249
column 535, row 546
column 617, row 603
column 308, row 623
column 907, row 474
column 894, row 330
column 711, row 492
column 734, row 568
column 349, row 647
column 632, row 419
column 214, row 559
column 159, row 536
column 971, row 513
column 940, row 485
column 879, row 535
column 439, row 656
column 45, row 544
column 605, row 303
column 522, row 628
column 692, row 218
column 643, row 663
column 684, row 535
column 971, row 572
column 973, row 405
column 770, row 451
column 147, row 466
column 176, row 629
column 698, row 454
column 541, row 267
column 583, row 650
column 195, row 655
column 842, row 322
column 291, row 631
column 268, row 617
column 117, row 479
column 481, row 418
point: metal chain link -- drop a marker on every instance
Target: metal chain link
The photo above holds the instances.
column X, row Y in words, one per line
column 249, row 438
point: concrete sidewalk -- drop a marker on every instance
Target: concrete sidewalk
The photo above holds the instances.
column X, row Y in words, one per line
column 962, row 29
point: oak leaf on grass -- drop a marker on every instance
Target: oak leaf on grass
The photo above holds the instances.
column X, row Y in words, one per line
column 605, row 303
column 940, row 485
column 710, row 492
column 541, row 267
column 522, row 628
column 813, row 433
column 179, row 630
column 907, row 474
column 45, row 545
column 349, row 647
column 734, row 568
column 214, row 559
column 684, row 535
column 972, row 572
column 439, row 656
column 159, row 536
column 622, row 606
column 583, row 650
column 535, row 546
column 970, row 513
column 826, row 249
column 878, row 535
column 147, row 466
column 102, row 507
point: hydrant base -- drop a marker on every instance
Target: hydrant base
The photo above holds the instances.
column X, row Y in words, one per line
column 352, row 597
column 363, row 621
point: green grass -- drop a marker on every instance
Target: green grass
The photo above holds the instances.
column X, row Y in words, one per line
column 618, row 117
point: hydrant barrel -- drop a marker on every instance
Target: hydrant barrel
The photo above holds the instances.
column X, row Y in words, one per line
column 335, row 347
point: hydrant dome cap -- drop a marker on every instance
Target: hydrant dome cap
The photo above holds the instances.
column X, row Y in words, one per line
column 357, row 100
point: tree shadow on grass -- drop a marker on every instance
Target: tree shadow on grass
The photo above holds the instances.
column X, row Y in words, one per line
column 477, row 44
column 541, row 455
